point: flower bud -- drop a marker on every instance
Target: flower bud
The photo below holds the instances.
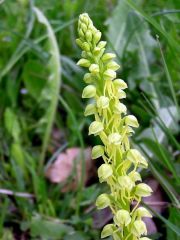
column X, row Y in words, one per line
column 101, row 44
column 95, row 128
column 96, row 51
column 109, row 74
column 139, row 228
column 142, row 212
column 81, row 34
column 84, row 54
column 108, row 56
column 97, row 151
column 122, row 218
column 143, row 190
column 104, row 172
column 113, row 65
column 121, row 94
column 125, row 182
column 135, row 176
column 103, row 102
column 86, row 47
column 83, row 27
column 108, row 230
column 102, row 201
column 131, row 121
column 89, row 110
column 120, row 83
column 89, row 91
column 88, row 78
column 120, row 108
column 114, row 138
column 79, row 43
column 85, row 18
column 94, row 68
column 84, row 62
column 97, row 36
column 88, row 35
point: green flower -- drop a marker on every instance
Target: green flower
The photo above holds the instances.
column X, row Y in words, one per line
column 114, row 128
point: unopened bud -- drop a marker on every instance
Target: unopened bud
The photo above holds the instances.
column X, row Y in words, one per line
column 82, row 16
column 97, row 36
column 139, row 228
column 96, row 51
column 95, row 128
column 85, row 18
column 79, row 42
column 113, row 65
column 102, row 201
column 97, row 151
column 86, row 46
column 108, row 56
column 103, row 102
column 125, row 182
column 83, row 27
column 120, row 83
column 88, row 78
column 89, row 36
column 122, row 218
column 84, row 54
column 131, row 121
column 89, row 110
column 104, row 172
column 143, row 190
column 81, row 34
column 94, row 68
column 89, row 91
column 101, row 44
column 109, row 74
column 84, row 62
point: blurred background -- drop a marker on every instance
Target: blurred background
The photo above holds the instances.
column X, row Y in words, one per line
column 48, row 182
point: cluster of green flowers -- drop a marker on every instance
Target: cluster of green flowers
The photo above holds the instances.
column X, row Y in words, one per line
column 114, row 128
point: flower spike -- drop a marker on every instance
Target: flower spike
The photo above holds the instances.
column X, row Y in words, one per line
column 114, row 128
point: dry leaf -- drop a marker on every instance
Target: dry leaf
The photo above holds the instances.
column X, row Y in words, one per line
column 70, row 162
column 151, row 226
column 156, row 200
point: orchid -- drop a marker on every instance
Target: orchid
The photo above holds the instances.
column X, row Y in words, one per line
column 114, row 127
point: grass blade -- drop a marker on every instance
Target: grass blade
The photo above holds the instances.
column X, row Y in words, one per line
column 173, row 227
column 27, row 45
column 78, row 132
column 170, row 82
column 172, row 43
column 54, row 67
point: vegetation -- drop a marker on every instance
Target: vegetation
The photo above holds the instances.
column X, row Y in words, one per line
column 42, row 114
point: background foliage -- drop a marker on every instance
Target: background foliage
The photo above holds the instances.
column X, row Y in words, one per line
column 40, row 96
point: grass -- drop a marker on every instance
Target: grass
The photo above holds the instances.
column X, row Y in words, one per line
column 37, row 43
